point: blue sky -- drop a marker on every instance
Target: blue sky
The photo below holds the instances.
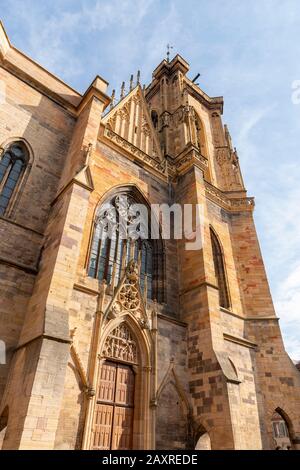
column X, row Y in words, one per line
column 249, row 52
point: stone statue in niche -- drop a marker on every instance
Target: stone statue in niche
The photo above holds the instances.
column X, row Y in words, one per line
column 216, row 128
column 165, row 119
column 132, row 271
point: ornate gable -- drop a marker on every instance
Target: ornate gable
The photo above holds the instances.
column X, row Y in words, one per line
column 128, row 297
column 129, row 125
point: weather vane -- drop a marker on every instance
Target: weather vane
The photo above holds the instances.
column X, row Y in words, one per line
column 168, row 52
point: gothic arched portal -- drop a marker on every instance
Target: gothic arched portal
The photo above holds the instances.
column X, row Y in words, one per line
column 120, row 416
column 115, row 392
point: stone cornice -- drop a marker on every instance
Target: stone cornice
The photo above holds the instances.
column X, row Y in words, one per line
column 42, row 337
column 188, row 157
column 212, row 103
column 241, row 341
column 136, row 155
column 86, row 290
column 240, row 317
column 172, row 320
column 198, row 286
column 230, row 204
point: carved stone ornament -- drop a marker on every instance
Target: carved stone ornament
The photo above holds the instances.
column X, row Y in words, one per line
column 230, row 204
column 120, row 344
column 153, row 161
column 128, row 298
column 189, row 112
column 129, row 295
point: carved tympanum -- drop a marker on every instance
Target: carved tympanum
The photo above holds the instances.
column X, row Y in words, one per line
column 120, row 344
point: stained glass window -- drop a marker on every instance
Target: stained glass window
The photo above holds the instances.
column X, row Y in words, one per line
column 120, row 235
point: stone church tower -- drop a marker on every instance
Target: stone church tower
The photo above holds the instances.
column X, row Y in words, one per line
column 113, row 343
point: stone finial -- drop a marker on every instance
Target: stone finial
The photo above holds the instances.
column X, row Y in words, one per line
column 132, row 271
column 228, row 137
column 138, row 77
column 131, row 83
column 235, row 158
column 122, row 90
column 169, row 47
column 113, row 97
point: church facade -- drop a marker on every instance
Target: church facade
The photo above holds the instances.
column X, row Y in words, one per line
column 125, row 342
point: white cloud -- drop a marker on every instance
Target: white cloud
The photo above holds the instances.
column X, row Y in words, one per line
column 248, row 120
column 54, row 37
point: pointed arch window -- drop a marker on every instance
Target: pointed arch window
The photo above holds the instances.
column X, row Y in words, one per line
column 219, row 270
column 115, row 243
column 12, row 165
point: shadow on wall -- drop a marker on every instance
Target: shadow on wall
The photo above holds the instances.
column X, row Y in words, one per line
column 172, row 420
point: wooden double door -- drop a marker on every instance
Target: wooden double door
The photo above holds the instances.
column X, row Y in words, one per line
column 113, row 415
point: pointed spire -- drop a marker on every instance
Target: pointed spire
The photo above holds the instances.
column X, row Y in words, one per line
column 112, row 99
column 169, row 47
column 122, row 90
column 131, row 83
column 138, row 77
